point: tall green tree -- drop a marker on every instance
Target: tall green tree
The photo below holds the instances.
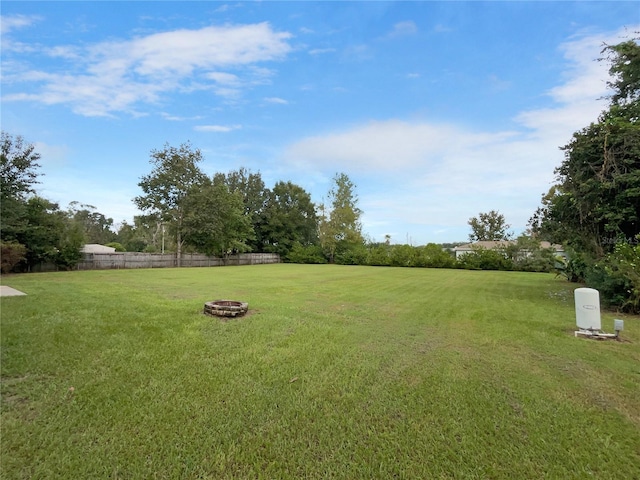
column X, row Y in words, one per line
column 489, row 226
column 42, row 235
column 254, row 195
column 339, row 226
column 50, row 236
column 215, row 222
column 18, row 175
column 289, row 217
column 175, row 173
column 70, row 244
column 18, row 166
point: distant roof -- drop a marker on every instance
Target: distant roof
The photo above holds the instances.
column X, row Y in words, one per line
column 555, row 246
column 97, row 248
column 493, row 244
column 486, row 244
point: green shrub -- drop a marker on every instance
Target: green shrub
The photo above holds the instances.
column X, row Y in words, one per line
column 402, row 256
column 575, row 268
column 118, row 246
column 68, row 256
column 352, row 255
column 485, row 259
column 541, row 260
column 378, row 255
column 135, row 245
column 12, row 253
column 433, row 256
column 617, row 278
column 305, row 254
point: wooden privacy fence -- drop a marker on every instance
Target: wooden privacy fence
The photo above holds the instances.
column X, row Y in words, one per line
column 98, row 261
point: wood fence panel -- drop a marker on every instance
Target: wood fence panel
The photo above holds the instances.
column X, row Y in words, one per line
column 118, row 260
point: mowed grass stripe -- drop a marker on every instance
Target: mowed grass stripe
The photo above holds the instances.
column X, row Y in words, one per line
column 338, row 372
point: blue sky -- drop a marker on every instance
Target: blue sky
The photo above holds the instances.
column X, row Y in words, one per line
column 436, row 110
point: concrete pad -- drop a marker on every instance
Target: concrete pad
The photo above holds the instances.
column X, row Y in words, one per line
column 9, row 292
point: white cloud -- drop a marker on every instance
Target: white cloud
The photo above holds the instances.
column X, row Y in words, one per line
column 398, row 146
column 586, row 76
column 9, row 23
column 276, row 100
column 14, row 22
column 320, row 51
column 380, row 145
column 177, row 118
column 183, row 51
column 64, row 51
column 402, row 29
column 226, row 84
column 217, row 128
column 117, row 76
column 223, row 78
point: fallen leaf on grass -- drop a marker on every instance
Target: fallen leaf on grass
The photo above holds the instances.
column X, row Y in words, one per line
column 293, row 379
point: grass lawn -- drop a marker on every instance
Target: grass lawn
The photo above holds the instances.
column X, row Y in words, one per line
column 338, row 372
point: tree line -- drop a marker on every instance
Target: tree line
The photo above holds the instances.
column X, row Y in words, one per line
column 183, row 210
column 235, row 212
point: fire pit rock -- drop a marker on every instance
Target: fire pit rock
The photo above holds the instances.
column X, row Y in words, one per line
column 225, row 308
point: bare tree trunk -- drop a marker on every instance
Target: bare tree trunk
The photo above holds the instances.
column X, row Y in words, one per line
column 178, row 248
column 179, row 240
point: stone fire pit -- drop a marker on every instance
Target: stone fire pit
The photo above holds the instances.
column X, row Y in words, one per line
column 225, row 308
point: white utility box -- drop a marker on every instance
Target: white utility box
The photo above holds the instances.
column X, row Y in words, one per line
column 587, row 309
